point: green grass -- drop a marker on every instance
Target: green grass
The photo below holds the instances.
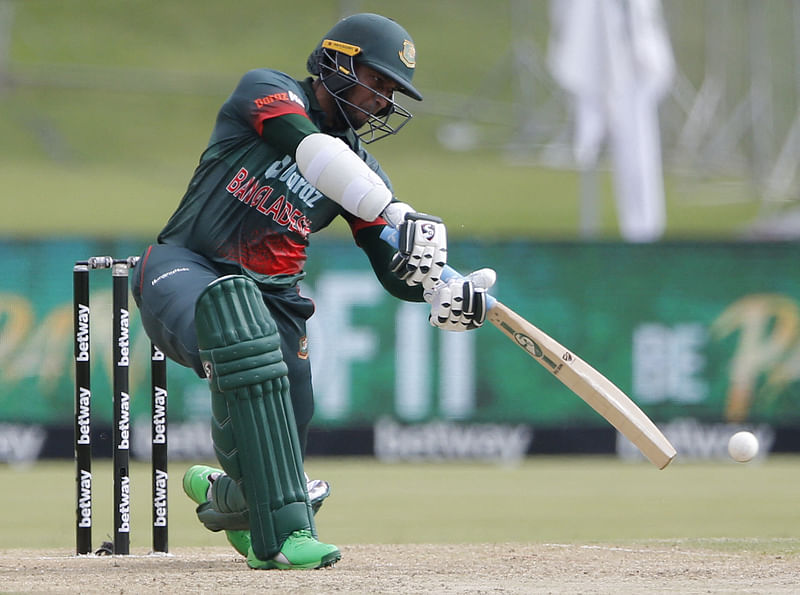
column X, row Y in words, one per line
column 111, row 104
column 592, row 500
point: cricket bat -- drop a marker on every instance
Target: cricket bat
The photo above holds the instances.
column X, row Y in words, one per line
column 581, row 378
column 586, row 382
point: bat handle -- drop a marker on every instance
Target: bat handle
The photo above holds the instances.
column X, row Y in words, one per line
column 389, row 235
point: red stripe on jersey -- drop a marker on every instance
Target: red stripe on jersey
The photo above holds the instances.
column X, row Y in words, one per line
column 274, row 254
column 142, row 264
column 357, row 224
column 274, row 110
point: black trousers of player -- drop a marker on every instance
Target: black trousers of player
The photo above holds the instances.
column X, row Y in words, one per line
column 166, row 283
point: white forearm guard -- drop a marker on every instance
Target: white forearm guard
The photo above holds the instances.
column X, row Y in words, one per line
column 341, row 175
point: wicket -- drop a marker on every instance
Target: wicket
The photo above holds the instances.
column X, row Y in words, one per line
column 121, row 416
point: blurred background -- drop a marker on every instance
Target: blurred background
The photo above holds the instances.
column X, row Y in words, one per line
column 107, row 106
column 630, row 170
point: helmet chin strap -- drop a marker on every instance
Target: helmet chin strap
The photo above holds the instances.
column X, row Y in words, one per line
column 339, row 79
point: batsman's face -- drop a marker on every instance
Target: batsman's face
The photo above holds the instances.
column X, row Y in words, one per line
column 373, row 95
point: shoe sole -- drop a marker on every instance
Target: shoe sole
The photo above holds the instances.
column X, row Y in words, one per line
column 330, row 560
column 326, row 562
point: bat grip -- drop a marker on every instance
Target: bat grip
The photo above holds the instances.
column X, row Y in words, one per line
column 389, row 235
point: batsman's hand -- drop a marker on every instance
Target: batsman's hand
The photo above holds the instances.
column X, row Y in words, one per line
column 421, row 249
column 460, row 304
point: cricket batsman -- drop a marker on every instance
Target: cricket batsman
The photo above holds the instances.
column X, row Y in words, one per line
column 218, row 291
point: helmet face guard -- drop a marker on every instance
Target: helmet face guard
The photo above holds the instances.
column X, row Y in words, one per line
column 338, row 75
column 376, row 42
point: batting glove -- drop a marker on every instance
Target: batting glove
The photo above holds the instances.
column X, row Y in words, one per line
column 421, row 251
column 460, row 304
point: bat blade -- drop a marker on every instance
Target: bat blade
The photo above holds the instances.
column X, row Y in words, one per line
column 581, row 378
column 586, row 382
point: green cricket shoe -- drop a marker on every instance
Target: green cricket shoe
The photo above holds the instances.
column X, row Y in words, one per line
column 300, row 551
column 196, row 483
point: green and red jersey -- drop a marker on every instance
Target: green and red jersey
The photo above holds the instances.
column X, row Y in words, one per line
column 247, row 205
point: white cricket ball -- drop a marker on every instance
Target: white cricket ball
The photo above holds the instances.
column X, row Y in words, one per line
column 743, row 446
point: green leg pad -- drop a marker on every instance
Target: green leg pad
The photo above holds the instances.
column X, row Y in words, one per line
column 227, row 508
column 214, row 520
column 227, row 496
column 253, row 426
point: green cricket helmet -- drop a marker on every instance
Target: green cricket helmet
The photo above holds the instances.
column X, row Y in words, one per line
column 375, row 41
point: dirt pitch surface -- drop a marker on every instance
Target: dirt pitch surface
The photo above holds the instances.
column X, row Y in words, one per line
column 425, row 569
